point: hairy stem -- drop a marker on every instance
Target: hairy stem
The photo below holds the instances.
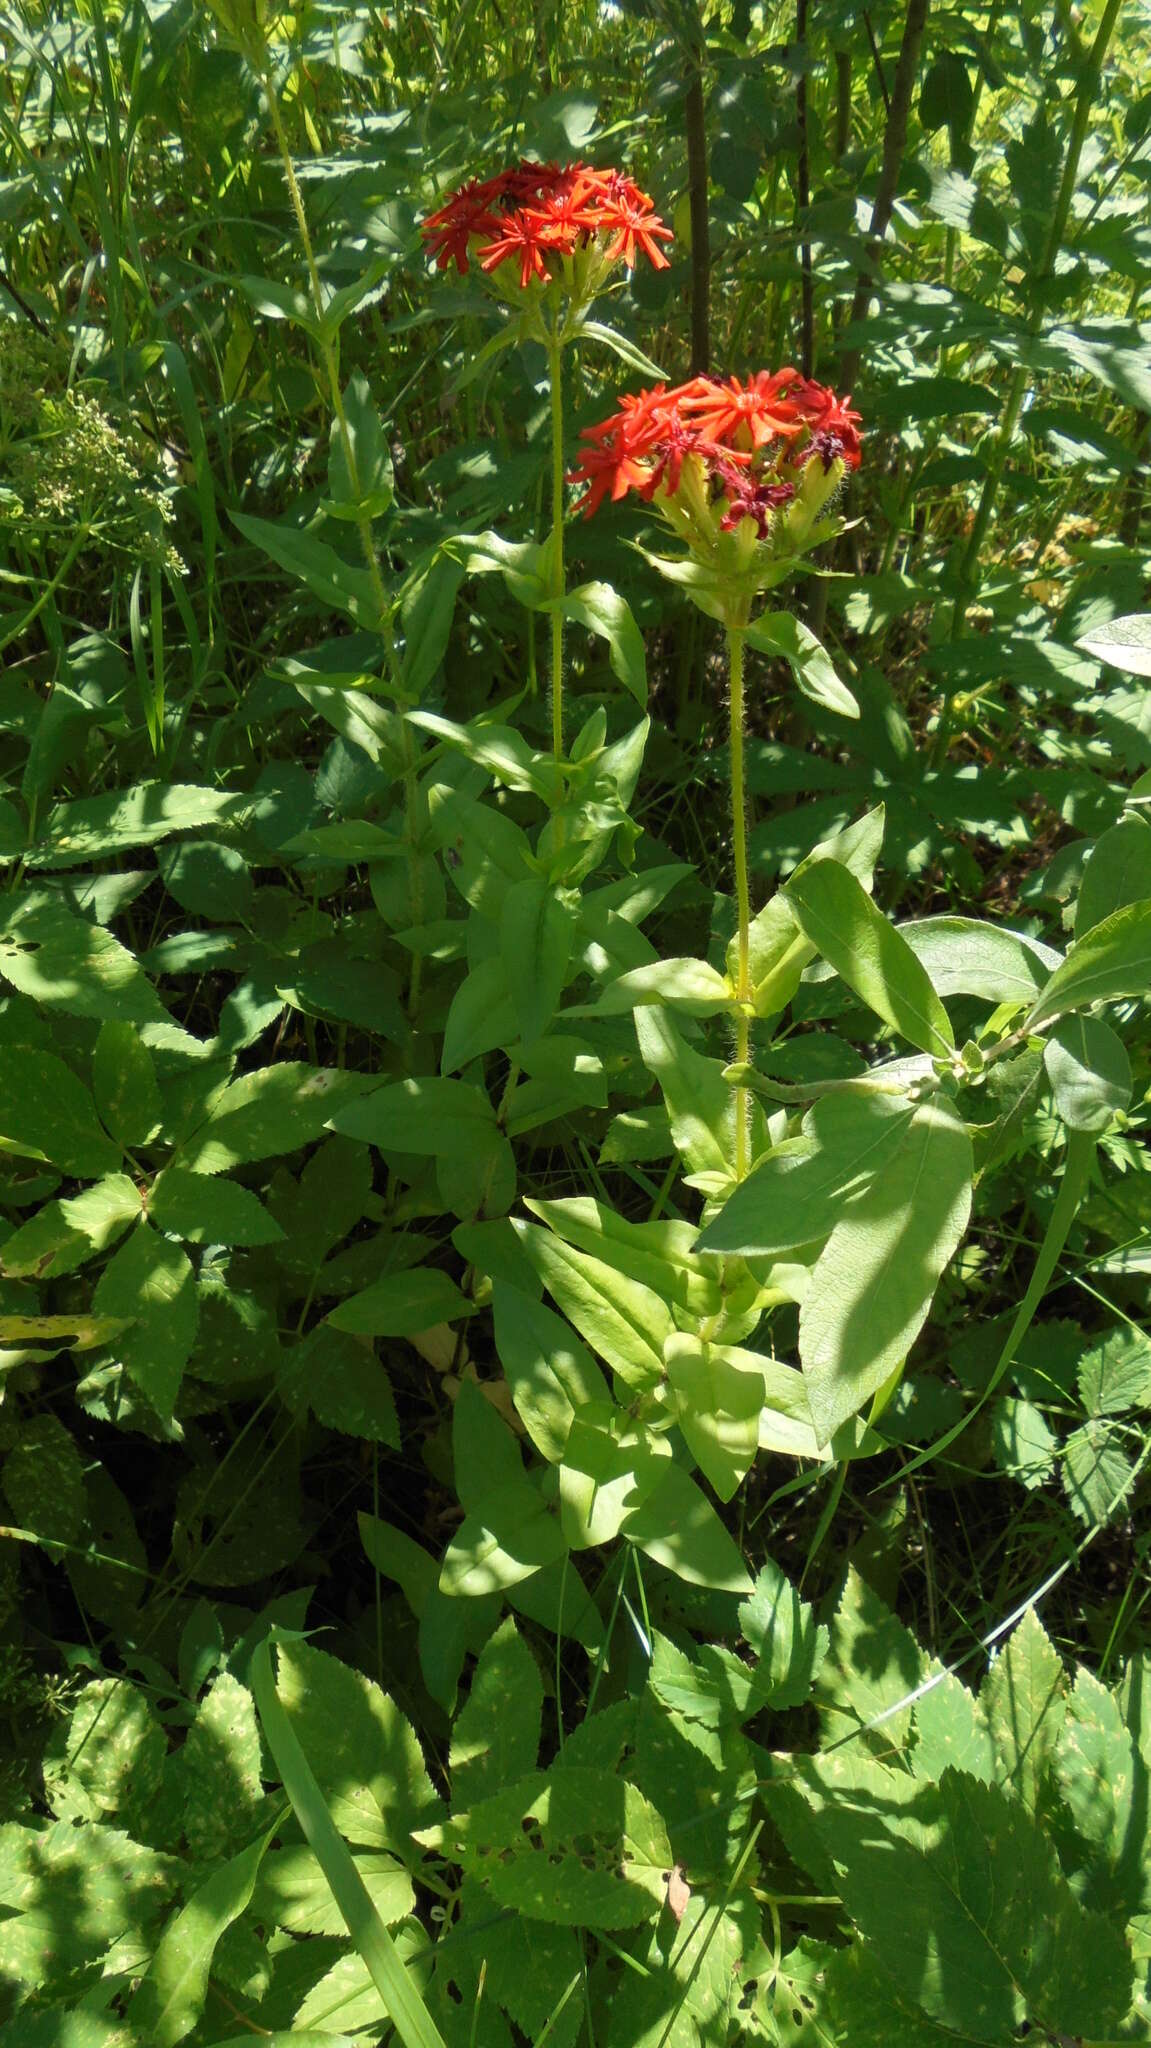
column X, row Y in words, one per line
column 555, row 366
column 735, row 649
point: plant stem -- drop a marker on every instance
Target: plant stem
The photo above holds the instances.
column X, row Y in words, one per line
column 330, row 358
column 555, row 365
column 696, row 137
column 735, row 648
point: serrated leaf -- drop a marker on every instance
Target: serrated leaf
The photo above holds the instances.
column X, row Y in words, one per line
column 424, row 1116
column 204, row 1209
column 496, row 1735
column 872, row 1664
column 1096, row 1471
column 68, row 963
column 109, row 1759
column 1103, row 1783
column 270, row 1110
column 44, row 1480
column 1024, row 1700
column 574, row 1846
column 219, row 1771
column 789, row 1643
column 1022, row 1442
column 46, row 1113
column 363, row 1752
column 402, row 1304
column 151, row 1281
column 173, row 1991
column 1115, row 1372
column 293, row 1893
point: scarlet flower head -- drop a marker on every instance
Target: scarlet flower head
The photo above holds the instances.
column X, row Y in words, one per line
column 539, row 215
column 758, row 460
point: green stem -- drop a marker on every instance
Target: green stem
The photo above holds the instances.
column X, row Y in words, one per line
column 735, row 649
column 330, row 359
column 49, row 590
column 555, row 366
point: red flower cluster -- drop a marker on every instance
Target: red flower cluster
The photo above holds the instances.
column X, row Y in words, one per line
column 753, row 439
column 537, row 211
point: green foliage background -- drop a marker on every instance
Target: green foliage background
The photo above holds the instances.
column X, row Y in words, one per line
column 413, row 1520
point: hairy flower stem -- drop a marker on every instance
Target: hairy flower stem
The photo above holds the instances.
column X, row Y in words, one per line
column 735, row 647
column 555, row 368
column 330, row 358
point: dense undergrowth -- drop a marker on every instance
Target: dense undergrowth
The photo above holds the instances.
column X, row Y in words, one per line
column 574, row 1360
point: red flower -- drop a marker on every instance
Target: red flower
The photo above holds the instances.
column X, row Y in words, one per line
column 751, row 438
column 533, row 212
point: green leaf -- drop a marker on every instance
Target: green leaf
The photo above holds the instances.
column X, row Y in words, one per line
column 795, row 1196
column 374, row 1945
column 1115, row 1372
column 1022, row 1442
column 550, row 1373
column 109, row 1759
column 620, row 1318
column 717, row 1405
column 1024, row 1700
column 789, row 1644
column 93, row 826
column 1096, row 1471
column 602, row 610
column 293, row 1893
column 678, row 1527
column 270, row 1110
column 311, row 560
column 1125, row 643
column 779, row 634
column 151, row 1281
column 683, row 984
column 219, row 1772
column 868, row 954
column 626, row 350
column 209, row 1210
column 373, row 489
column 70, row 964
column 1101, row 1780
column 700, row 1105
column 424, row 1116
column 577, row 1847
column 536, row 931
column 46, row 1113
column 172, row 1994
column 963, row 957
column 426, row 616
column 1089, row 1072
column 496, row 1734
column 124, row 1083
column 103, row 1212
column 874, row 1281
column 44, row 1480
column 1110, row 961
column 873, row 1664
column 367, row 1762
column 344, row 1384
column 951, row 1730
column 402, row 1304
column 507, row 1533
column 1117, row 872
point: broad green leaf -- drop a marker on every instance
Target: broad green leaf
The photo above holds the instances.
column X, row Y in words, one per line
column 1023, row 1443
column 46, row 1113
column 69, row 1893
column 500, row 749
column 789, row 1644
column 536, row 931
column 345, row 1385
column 874, row 1281
column 424, row 1116
column 868, row 954
column 103, row 1211
column 1102, row 1780
column 1096, row 1471
column 173, row 1991
column 363, row 1752
column 426, row 616
column 717, row 1406
column 795, row 1195
column 506, row 1537
column 700, row 1105
column 1117, row 872
column 206, row 1209
column 1089, row 1072
column 109, row 1758
column 687, row 1997
column 678, row 1527
column 962, row 1897
column 1125, row 643
column 91, row 827
column 482, row 1013
column 68, row 963
column 292, row 1892
column 577, row 1846
column 358, row 718
column 550, row 1373
column 270, row 1110
column 951, row 1731
column 124, row 1083
column 688, row 985
column 1111, row 961
column 603, row 611
column 151, row 1281
column 779, row 634
column 610, row 1466
column 963, row 957
column 402, row 1304
column 1024, row 1700
column 220, row 1773
column 1115, row 1372
column 661, row 1254
column 313, row 562
column 873, row 1664
column 620, row 1318
column 496, row 1734
column 43, row 1476
column 368, row 486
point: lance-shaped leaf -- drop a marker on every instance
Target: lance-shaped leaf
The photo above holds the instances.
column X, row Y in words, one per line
column 1112, row 960
column 868, row 953
column 796, row 1195
column 873, row 1283
column 778, row 633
